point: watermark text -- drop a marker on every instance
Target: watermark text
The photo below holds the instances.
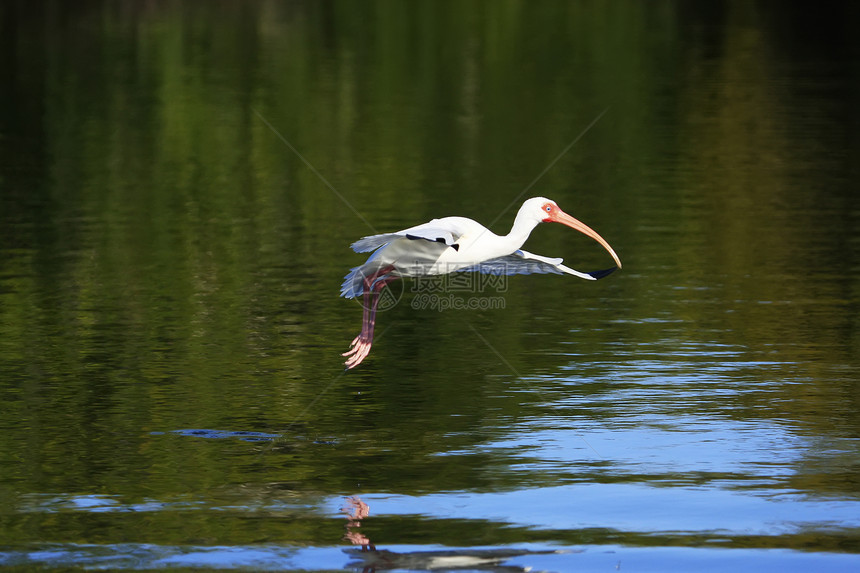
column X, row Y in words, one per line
column 443, row 302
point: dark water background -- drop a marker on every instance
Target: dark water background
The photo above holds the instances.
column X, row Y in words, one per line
column 179, row 184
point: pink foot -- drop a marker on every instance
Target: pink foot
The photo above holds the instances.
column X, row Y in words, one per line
column 357, row 354
column 360, row 346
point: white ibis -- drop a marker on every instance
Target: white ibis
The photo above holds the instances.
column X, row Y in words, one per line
column 454, row 244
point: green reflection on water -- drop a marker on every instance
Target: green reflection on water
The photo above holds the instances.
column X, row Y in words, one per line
column 168, row 263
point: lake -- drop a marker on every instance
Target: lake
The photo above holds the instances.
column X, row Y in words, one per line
column 179, row 187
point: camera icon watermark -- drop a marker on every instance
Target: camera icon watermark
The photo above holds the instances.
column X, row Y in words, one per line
column 388, row 292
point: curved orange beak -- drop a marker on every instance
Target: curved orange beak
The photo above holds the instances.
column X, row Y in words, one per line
column 559, row 216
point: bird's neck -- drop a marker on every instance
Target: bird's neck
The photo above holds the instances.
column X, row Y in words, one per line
column 522, row 228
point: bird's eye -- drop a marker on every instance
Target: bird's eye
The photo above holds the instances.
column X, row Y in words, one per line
column 548, row 208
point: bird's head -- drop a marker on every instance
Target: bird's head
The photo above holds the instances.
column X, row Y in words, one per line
column 545, row 210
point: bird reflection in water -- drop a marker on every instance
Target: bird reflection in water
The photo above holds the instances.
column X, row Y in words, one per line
column 371, row 559
column 356, row 510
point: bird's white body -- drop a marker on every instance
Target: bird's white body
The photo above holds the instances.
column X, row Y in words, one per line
column 441, row 246
column 454, row 244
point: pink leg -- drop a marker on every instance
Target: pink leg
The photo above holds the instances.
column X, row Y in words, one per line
column 360, row 347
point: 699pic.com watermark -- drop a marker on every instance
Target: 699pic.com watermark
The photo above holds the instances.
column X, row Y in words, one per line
column 442, row 302
column 458, row 291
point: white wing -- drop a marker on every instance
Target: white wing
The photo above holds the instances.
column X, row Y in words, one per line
column 526, row 263
column 373, row 242
column 437, row 230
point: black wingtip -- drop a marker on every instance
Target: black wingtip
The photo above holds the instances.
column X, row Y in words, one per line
column 442, row 240
column 603, row 273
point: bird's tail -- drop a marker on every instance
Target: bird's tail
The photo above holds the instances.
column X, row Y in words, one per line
column 353, row 283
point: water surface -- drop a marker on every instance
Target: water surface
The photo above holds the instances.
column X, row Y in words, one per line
column 179, row 185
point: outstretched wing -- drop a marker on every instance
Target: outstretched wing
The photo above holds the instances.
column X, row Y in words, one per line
column 436, row 231
column 373, row 242
column 526, row 263
column 433, row 234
